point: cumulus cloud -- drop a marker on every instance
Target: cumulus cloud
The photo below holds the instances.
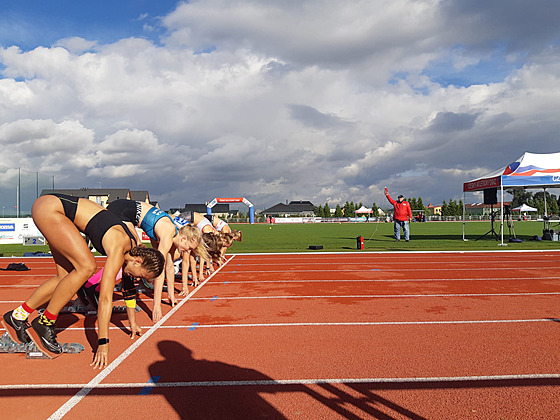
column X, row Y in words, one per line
column 317, row 99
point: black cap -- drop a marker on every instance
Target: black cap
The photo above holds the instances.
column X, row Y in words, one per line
column 400, row 196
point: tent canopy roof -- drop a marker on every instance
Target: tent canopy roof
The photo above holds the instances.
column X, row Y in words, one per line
column 531, row 170
column 524, row 207
column 364, row 209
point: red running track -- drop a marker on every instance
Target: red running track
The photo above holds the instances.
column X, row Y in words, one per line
column 316, row 336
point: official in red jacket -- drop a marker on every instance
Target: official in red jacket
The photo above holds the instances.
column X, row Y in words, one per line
column 402, row 215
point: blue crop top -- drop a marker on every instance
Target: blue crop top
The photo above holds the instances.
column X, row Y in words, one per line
column 150, row 219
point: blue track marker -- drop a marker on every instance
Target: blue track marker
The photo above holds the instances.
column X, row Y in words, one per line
column 193, row 326
column 147, row 389
column 214, row 298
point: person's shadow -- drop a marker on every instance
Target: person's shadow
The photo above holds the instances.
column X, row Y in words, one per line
column 199, row 400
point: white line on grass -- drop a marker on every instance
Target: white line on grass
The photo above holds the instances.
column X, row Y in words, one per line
column 96, row 382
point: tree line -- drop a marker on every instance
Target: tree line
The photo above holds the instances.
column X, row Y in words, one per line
column 348, row 209
column 535, row 200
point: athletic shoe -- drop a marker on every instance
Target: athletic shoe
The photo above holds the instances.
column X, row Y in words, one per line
column 16, row 328
column 44, row 337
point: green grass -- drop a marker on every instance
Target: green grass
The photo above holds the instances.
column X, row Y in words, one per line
column 341, row 237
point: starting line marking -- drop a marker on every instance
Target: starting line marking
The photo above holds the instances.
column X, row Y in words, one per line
column 409, row 280
column 96, row 381
column 365, row 323
column 427, row 379
column 196, row 325
column 147, row 389
column 381, row 296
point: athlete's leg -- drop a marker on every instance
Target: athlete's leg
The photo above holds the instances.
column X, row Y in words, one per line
column 74, row 261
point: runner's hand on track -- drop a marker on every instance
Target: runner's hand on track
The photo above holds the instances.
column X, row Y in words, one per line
column 156, row 314
column 101, row 357
column 135, row 330
column 185, row 290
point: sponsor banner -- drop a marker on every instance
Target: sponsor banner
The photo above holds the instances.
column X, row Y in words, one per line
column 229, row 200
column 549, row 180
column 280, row 220
column 7, row 227
column 481, row 184
column 14, row 230
column 142, row 235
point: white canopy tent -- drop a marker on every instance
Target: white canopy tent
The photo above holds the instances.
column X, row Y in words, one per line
column 363, row 210
column 532, row 170
column 524, row 207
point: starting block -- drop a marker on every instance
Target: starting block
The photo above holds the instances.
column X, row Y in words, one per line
column 76, row 307
column 7, row 345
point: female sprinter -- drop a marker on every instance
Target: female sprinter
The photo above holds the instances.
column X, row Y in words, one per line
column 92, row 287
column 228, row 235
column 61, row 218
column 164, row 236
column 204, row 225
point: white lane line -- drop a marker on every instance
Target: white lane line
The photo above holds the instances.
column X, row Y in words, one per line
column 346, row 324
column 95, row 382
column 511, row 270
column 378, row 296
column 314, row 324
column 407, row 280
column 426, row 379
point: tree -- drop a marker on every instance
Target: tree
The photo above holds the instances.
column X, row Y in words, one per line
column 318, row 211
column 326, row 210
column 375, row 210
column 444, row 208
column 338, row 211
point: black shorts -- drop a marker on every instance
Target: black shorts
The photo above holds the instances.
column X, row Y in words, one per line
column 126, row 210
column 69, row 203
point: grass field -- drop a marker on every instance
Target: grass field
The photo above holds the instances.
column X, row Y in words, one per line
column 341, row 237
column 379, row 237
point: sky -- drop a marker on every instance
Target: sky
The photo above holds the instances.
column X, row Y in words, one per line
column 320, row 100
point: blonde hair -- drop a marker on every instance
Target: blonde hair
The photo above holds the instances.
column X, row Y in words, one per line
column 191, row 232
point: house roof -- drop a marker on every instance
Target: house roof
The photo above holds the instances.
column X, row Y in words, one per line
column 140, row 196
column 302, row 205
column 295, row 207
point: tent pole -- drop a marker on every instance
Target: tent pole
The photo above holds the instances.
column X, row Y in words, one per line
column 464, row 216
column 502, row 213
column 544, row 197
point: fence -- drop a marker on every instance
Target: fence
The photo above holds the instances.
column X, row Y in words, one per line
column 19, row 188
